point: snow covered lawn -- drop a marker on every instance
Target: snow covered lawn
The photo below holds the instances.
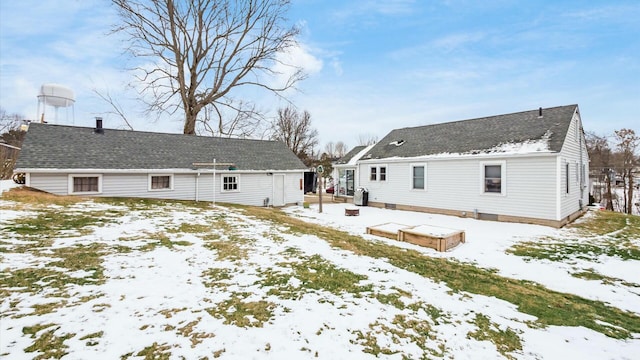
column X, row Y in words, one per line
column 133, row 279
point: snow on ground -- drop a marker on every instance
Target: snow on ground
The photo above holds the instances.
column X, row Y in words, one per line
column 486, row 243
column 161, row 297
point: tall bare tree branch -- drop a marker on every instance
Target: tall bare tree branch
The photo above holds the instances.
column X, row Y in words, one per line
column 295, row 130
column 115, row 106
column 205, row 51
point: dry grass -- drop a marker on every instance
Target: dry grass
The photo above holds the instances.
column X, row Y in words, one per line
column 26, row 195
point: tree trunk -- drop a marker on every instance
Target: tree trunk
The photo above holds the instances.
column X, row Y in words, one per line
column 609, row 197
column 630, row 195
column 190, row 123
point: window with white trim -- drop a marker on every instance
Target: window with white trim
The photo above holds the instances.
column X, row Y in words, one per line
column 493, row 177
column 85, row 184
column 378, row 173
column 158, row 182
column 418, row 176
column 230, row 183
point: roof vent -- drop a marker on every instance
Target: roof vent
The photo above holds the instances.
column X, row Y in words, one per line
column 397, row 142
column 540, row 112
column 98, row 129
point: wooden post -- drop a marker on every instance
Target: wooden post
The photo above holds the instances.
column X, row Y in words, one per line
column 320, row 193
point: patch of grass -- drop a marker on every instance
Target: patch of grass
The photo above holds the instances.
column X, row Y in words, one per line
column 168, row 313
column 47, row 308
column 603, row 233
column 190, row 228
column 314, row 274
column 217, row 277
column 434, row 313
column 567, row 249
column 47, row 344
column 52, row 223
column 161, row 239
column 82, row 258
column 156, row 351
column 506, row 341
column 618, row 225
column 591, row 274
column 550, row 307
column 403, row 329
column 71, row 259
column 229, row 247
column 26, row 195
column 236, row 311
column 196, row 337
column 91, row 338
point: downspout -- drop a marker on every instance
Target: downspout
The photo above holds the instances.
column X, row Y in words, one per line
column 197, row 184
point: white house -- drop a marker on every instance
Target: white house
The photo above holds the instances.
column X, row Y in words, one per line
column 71, row 160
column 529, row 166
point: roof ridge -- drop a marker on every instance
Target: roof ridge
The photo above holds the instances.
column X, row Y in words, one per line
column 148, row 132
column 486, row 117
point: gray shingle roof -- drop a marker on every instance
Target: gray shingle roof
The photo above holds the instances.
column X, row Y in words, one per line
column 469, row 136
column 70, row 147
column 348, row 156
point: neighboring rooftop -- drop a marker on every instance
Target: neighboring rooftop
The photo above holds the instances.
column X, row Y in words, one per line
column 482, row 135
column 49, row 146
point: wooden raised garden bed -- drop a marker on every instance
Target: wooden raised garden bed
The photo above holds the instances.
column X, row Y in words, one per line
column 388, row 230
column 435, row 237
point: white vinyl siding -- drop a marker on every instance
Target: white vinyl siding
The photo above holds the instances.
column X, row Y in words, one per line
column 256, row 187
column 454, row 185
column 573, row 157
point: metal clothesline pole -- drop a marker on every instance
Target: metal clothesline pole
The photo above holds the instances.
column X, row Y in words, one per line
column 214, row 164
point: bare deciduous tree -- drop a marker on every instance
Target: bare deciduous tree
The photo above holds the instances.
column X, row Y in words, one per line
column 367, row 139
column 294, row 129
column 330, row 149
column 601, row 165
column 11, row 137
column 205, row 51
column 115, row 106
column 335, row 150
column 341, row 149
column 627, row 144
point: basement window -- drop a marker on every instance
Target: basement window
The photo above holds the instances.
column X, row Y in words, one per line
column 84, row 184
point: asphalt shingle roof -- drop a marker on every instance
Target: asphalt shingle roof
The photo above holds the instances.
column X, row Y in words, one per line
column 49, row 146
column 348, row 156
column 468, row 136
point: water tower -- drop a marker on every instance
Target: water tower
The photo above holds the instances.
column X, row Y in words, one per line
column 56, row 96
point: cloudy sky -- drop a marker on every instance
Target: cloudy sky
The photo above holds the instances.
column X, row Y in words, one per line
column 373, row 65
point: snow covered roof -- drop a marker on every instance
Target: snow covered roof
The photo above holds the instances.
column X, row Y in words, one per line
column 352, row 157
column 517, row 133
